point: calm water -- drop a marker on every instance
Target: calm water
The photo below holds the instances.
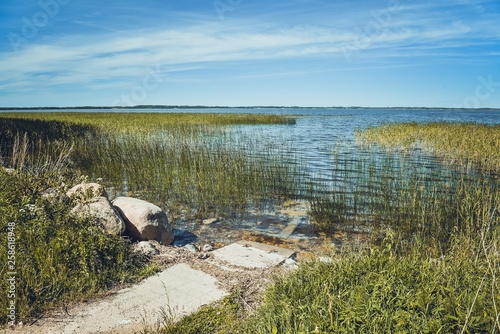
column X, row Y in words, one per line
column 321, row 134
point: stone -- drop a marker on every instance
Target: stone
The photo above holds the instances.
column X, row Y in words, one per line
column 191, row 248
column 9, row 170
column 250, row 255
column 86, row 191
column 101, row 209
column 146, row 248
column 207, row 248
column 210, row 221
column 144, row 220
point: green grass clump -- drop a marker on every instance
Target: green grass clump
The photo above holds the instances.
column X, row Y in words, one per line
column 58, row 258
column 463, row 143
column 218, row 318
column 381, row 292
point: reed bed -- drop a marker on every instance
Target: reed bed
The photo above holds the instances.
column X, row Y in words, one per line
column 143, row 121
column 457, row 143
column 177, row 160
column 203, row 170
column 415, row 196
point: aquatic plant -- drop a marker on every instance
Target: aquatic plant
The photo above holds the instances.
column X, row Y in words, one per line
column 457, row 143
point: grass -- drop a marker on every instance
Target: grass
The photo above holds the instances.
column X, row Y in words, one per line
column 380, row 292
column 116, row 122
column 456, row 143
column 414, row 197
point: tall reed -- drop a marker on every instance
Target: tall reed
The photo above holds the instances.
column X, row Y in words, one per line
column 413, row 196
column 197, row 168
column 457, row 143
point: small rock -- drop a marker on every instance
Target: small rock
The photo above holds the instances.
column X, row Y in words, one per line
column 203, row 256
column 210, row 221
column 86, row 191
column 207, row 248
column 290, row 264
column 146, row 248
column 9, row 170
column 191, row 248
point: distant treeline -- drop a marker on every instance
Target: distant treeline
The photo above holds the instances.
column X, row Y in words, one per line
column 227, row 107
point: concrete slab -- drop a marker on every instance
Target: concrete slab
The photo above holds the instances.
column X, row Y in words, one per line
column 250, row 254
column 176, row 291
column 288, row 230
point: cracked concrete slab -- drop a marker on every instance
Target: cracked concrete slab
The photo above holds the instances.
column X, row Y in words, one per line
column 175, row 292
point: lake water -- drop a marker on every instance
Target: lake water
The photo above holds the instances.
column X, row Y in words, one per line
column 321, row 134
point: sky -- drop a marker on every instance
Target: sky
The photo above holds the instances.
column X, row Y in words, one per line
column 318, row 53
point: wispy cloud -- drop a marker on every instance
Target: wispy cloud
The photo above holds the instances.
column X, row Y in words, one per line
column 110, row 54
column 122, row 55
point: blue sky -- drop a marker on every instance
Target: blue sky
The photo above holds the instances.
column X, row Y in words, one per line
column 250, row 52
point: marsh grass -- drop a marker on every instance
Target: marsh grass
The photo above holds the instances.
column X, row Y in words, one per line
column 457, row 143
column 199, row 168
column 412, row 197
column 177, row 160
column 134, row 122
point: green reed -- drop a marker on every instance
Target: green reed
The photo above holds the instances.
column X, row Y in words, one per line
column 198, row 168
column 456, row 143
column 407, row 193
column 138, row 121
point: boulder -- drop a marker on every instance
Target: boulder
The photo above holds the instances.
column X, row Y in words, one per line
column 101, row 209
column 144, row 220
column 86, row 191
